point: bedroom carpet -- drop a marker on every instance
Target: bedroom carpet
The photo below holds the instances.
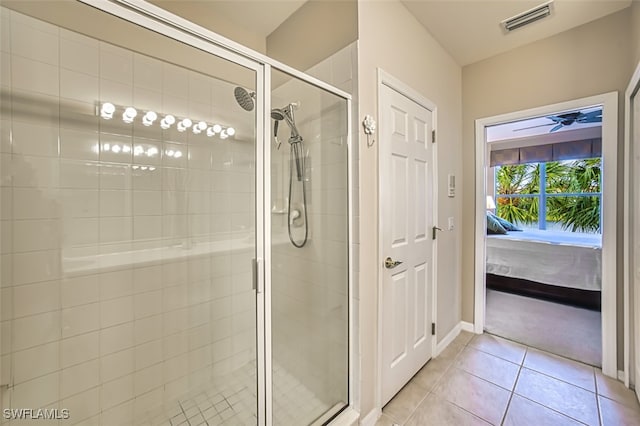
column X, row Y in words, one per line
column 560, row 329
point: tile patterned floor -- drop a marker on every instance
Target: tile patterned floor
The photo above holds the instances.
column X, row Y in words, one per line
column 487, row 380
column 232, row 401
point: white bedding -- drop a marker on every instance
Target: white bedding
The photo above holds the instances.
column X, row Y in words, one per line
column 557, row 258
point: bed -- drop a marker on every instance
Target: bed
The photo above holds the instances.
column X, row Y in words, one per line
column 559, row 266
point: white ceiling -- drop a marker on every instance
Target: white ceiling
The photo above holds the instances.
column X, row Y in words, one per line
column 470, row 29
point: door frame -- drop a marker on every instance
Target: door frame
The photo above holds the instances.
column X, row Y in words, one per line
column 609, row 102
column 386, row 79
column 631, row 228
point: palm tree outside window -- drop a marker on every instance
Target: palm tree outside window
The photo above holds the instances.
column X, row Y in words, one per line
column 556, row 195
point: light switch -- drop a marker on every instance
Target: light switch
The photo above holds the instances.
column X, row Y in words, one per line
column 450, row 226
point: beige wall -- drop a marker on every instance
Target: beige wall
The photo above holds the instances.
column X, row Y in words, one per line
column 388, row 37
column 314, row 32
column 588, row 60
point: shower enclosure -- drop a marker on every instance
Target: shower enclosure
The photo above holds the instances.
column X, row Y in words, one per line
column 174, row 225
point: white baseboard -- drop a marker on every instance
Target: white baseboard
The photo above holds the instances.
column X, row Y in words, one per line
column 455, row 331
column 371, row 418
column 467, row 326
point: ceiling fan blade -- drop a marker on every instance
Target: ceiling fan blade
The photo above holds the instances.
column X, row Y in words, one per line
column 559, row 126
column 533, row 127
column 590, row 120
column 592, row 114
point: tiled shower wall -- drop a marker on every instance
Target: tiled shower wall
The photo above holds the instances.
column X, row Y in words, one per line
column 310, row 285
column 121, row 288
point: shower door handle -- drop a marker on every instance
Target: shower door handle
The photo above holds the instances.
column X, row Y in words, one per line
column 255, row 269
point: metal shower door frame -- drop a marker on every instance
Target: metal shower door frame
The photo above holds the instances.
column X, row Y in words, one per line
column 154, row 18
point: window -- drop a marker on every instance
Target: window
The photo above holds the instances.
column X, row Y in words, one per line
column 559, row 195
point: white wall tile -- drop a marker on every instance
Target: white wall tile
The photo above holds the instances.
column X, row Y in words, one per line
column 148, row 329
column 115, row 176
column 116, row 365
column 116, row 311
column 148, row 304
column 115, row 203
column 124, row 153
column 36, row 362
column 80, row 290
column 79, row 202
column 5, row 32
column 6, row 303
column 83, row 405
column 80, row 319
column 148, row 100
column 78, row 174
column 175, row 81
column 116, row 392
column 117, row 93
column 34, row 139
column 79, row 378
column 80, row 145
column 79, row 53
column 116, row 63
column 116, row 229
column 80, row 231
column 116, row 338
column 147, row 203
column 116, row 284
column 148, row 379
column 148, row 354
column 35, row 172
column 36, row 298
column 147, row 151
column 6, row 236
column 34, row 44
column 48, row 269
column 147, row 228
column 34, row 76
column 5, row 136
column 5, row 69
column 147, row 72
column 78, row 86
column 79, row 349
column 35, row 330
column 38, row 392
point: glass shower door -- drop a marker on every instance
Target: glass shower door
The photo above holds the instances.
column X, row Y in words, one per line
column 309, row 252
column 128, row 213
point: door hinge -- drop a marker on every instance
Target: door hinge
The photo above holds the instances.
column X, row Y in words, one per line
column 433, row 136
column 433, row 328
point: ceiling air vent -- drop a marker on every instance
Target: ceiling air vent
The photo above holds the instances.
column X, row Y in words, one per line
column 526, row 18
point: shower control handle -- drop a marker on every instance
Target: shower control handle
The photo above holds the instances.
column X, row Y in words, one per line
column 389, row 263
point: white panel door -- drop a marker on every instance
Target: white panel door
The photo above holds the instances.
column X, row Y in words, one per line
column 406, row 206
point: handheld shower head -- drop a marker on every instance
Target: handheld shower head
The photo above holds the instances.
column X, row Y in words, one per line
column 277, row 114
column 244, row 98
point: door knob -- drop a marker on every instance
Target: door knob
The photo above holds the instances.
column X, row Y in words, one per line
column 389, row 263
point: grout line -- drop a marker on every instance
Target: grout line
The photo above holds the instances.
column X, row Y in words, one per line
column 513, row 390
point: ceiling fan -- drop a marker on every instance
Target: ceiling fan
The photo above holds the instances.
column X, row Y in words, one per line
column 569, row 118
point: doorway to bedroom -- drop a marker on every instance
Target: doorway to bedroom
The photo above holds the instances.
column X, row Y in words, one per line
column 542, row 229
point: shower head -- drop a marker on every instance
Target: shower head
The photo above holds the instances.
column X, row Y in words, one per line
column 277, row 114
column 286, row 114
column 244, row 98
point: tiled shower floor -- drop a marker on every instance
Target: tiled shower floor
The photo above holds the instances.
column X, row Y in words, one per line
column 232, row 401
